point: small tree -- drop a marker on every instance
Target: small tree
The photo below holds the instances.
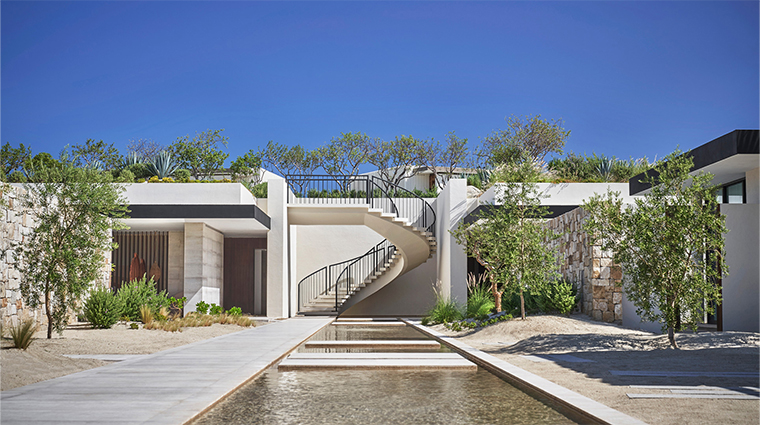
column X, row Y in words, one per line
column 58, row 261
column 669, row 244
column 342, row 157
column 97, row 155
column 144, row 149
column 13, row 159
column 201, row 155
column 510, row 241
column 294, row 161
column 395, row 158
column 528, row 138
column 448, row 158
column 248, row 164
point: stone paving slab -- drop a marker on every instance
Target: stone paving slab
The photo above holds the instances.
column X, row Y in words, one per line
column 399, row 344
column 105, row 357
column 377, row 364
column 668, row 373
column 168, row 387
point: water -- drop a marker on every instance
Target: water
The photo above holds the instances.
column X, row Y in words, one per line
column 379, row 397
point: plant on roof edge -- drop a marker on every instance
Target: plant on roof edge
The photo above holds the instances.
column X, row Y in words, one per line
column 162, row 165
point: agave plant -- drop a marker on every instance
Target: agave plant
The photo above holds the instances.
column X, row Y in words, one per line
column 132, row 158
column 604, row 166
column 162, row 165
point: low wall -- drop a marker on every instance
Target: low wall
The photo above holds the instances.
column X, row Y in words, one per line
column 589, row 267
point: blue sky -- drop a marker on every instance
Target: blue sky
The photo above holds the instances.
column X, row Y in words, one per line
column 628, row 78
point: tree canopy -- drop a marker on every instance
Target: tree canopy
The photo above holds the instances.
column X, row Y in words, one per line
column 201, row 155
column 525, row 138
column 670, row 244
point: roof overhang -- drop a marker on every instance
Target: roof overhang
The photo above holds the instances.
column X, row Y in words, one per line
column 235, row 220
column 728, row 158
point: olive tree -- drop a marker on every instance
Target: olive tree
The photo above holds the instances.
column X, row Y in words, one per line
column 395, row 158
column 443, row 160
column 341, row 157
column 528, row 138
column 201, row 155
column 511, row 241
column 670, row 243
column 58, row 261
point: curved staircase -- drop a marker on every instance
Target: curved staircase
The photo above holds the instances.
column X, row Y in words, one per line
column 405, row 220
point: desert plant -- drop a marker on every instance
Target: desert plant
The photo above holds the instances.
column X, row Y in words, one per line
column 162, row 165
column 235, row 311
column 480, row 299
column 102, row 309
column 445, row 310
column 22, row 333
column 163, row 314
column 134, row 326
column 215, row 309
column 146, row 314
column 201, row 307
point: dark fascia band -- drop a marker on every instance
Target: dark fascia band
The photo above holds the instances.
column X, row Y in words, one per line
column 554, row 211
column 734, row 143
column 199, row 212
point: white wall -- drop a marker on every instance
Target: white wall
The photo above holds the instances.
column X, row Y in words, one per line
column 451, row 209
column 203, row 265
column 279, row 302
column 752, row 180
column 741, row 288
column 187, row 193
column 633, row 321
column 563, row 193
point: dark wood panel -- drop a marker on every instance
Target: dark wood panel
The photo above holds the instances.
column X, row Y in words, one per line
column 238, row 274
column 149, row 246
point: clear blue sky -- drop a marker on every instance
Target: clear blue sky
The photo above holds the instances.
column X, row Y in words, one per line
column 628, row 78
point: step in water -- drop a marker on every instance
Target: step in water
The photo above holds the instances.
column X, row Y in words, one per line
column 376, row 361
column 400, row 344
column 369, row 324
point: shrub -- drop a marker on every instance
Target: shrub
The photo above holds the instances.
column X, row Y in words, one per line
column 201, row 307
column 444, row 311
column 215, row 309
column 23, row 332
column 559, row 297
column 102, row 309
column 146, row 314
column 138, row 293
column 235, row 311
column 134, row 326
column 126, row 176
column 182, row 175
column 480, row 300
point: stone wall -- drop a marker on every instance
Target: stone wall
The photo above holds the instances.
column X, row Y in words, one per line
column 589, row 267
column 16, row 224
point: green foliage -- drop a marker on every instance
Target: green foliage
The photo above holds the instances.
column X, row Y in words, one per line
column 235, row 311
column 139, row 170
column 343, row 156
column 201, row 307
column 444, row 311
column 17, row 177
column 444, row 160
column 258, row 191
column 162, row 165
column 294, row 161
column 140, row 292
column 395, row 158
column 59, row 260
column 458, row 326
column 22, row 333
column 201, row 155
column 559, row 296
column 102, row 309
column 97, row 155
column 670, row 243
column 215, row 309
column 182, row 175
column 126, row 176
column 248, row 164
column 146, row 314
column 13, row 159
column 480, row 300
column 42, row 167
column 595, row 168
column 510, row 240
column 526, row 139
column 134, row 326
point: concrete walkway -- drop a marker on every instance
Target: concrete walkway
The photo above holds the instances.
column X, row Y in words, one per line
column 168, row 387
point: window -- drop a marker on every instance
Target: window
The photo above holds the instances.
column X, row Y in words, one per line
column 733, row 193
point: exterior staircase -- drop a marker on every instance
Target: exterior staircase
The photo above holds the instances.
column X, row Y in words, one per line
column 405, row 220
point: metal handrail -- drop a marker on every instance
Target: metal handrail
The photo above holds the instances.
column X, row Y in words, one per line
column 356, row 190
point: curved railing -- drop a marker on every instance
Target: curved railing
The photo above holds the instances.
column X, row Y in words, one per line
column 356, row 190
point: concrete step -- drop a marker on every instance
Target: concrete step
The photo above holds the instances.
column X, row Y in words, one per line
column 377, row 364
column 398, row 344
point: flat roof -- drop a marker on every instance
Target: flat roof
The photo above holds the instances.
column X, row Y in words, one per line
column 728, row 157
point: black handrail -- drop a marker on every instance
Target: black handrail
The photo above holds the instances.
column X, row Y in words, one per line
column 359, row 190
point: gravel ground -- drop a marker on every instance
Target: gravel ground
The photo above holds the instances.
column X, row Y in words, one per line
column 44, row 358
column 610, row 347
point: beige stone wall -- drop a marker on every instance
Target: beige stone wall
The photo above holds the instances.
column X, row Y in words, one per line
column 589, row 267
column 15, row 225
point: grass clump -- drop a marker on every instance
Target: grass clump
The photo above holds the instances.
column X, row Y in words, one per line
column 480, row 300
column 445, row 310
column 146, row 314
column 22, row 333
column 102, row 309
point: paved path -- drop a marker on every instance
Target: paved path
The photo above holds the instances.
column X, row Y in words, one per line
column 168, row 387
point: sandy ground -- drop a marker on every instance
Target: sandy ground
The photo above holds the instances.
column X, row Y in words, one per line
column 610, row 347
column 44, row 358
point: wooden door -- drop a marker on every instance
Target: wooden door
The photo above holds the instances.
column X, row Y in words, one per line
column 238, row 274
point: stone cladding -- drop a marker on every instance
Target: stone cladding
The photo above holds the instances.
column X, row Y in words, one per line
column 590, row 268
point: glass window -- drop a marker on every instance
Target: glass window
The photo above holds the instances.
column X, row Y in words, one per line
column 735, row 193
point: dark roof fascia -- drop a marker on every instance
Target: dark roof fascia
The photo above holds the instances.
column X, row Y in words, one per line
column 734, row 143
column 554, row 211
column 200, row 212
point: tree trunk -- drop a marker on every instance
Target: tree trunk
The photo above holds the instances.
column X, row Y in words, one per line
column 522, row 304
column 672, row 337
column 497, row 301
column 49, row 315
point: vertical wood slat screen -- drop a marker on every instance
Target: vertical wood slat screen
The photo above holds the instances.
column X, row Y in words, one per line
column 150, row 246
